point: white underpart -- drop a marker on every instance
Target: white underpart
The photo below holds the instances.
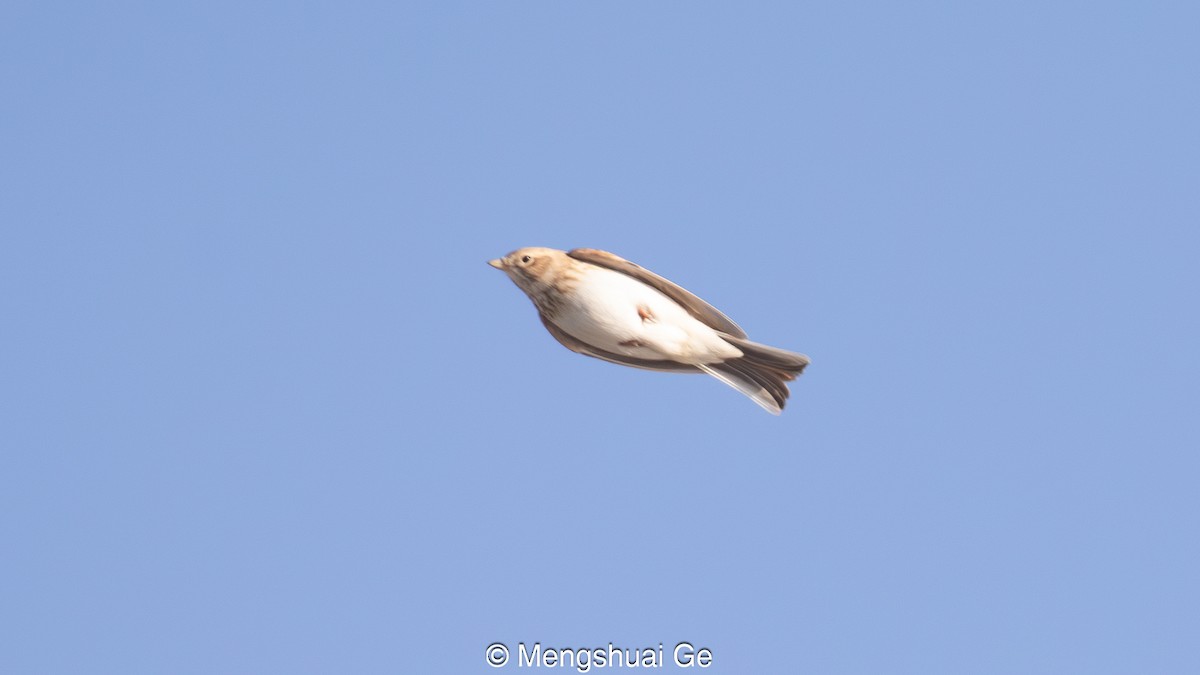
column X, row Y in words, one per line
column 603, row 312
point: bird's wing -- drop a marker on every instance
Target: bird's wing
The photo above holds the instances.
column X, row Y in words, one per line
column 580, row 347
column 701, row 310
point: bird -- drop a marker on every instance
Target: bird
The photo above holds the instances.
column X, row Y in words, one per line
column 598, row 304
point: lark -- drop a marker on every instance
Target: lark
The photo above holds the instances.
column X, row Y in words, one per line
column 601, row 305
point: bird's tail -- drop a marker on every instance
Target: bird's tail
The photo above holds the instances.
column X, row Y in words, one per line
column 761, row 373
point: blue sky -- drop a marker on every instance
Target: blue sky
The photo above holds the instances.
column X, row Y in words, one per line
column 266, row 410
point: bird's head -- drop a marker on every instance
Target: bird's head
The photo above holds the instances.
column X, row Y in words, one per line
column 534, row 269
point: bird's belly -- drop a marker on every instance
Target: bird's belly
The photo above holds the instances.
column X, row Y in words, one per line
column 612, row 328
column 623, row 316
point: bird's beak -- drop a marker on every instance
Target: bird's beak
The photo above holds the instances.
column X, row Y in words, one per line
column 497, row 263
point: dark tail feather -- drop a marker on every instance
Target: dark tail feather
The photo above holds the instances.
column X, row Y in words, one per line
column 766, row 367
column 773, row 357
column 769, row 381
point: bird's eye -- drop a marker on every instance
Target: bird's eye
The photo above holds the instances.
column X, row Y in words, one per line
column 525, row 259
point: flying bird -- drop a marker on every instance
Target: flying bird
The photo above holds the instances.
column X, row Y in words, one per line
column 601, row 305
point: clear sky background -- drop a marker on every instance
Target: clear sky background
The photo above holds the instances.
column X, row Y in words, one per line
column 266, row 410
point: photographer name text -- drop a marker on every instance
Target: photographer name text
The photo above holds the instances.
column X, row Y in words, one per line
column 583, row 659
